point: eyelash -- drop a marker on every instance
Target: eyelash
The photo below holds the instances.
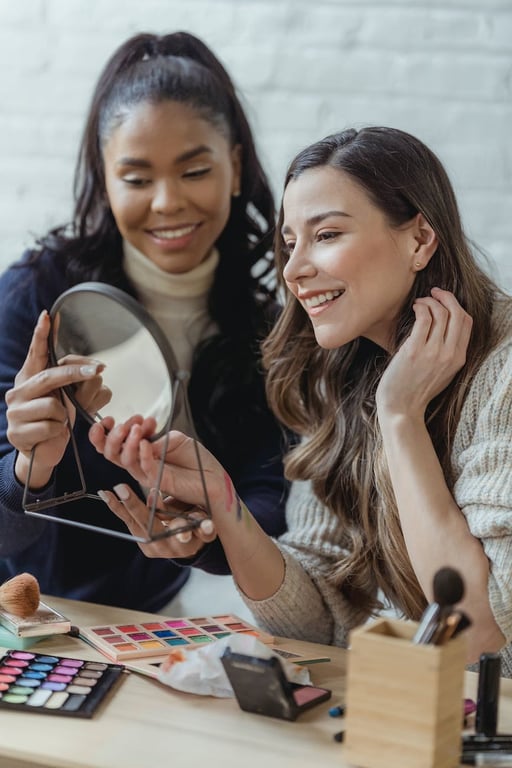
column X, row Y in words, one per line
column 135, row 181
column 198, row 173
column 322, row 236
column 288, row 247
column 328, row 235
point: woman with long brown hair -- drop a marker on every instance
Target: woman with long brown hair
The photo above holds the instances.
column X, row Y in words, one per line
column 392, row 359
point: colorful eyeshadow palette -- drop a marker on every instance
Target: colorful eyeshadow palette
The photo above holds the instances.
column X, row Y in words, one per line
column 54, row 685
column 157, row 638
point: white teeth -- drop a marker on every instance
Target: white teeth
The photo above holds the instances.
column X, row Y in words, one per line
column 321, row 298
column 173, row 234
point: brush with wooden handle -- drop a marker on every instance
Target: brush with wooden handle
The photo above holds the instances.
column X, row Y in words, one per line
column 20, row 595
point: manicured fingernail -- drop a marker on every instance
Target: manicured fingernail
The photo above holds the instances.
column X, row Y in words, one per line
column 184, row 537
column 89, row 370
column 103, row 496
column 207, row 526
column 122, row 492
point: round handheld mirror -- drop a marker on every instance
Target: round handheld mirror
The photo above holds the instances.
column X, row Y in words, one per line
column 140, row 377
column 98, row 321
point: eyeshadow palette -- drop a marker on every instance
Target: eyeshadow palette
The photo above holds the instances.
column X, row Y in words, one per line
column 156, row 638
column 54, row 685
column 153, row 640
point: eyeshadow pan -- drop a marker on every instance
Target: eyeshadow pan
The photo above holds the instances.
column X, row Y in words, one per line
column 54, row 685
column 72, row 663
column 39, row 697
column 153, row 638
column 177, row 623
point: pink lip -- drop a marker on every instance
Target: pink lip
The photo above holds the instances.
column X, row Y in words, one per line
column 315, row 311
column 321, row 308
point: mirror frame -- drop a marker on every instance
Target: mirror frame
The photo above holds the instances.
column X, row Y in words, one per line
column 178, row 380
column 130, row 304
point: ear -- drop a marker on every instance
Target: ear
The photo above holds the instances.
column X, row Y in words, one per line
column 424, row 242
column 236, row 162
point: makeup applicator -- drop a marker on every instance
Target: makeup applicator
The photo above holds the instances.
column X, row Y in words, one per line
column 448, row 588
column 20, row 595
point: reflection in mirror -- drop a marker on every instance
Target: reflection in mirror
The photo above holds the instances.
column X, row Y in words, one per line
column 98, row 321
column 140, row 376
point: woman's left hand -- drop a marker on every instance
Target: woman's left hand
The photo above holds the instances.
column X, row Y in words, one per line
column 119, row 443
column 428, row 359
column 126, row 505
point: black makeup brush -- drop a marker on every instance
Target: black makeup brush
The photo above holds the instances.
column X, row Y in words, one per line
column 448, row 588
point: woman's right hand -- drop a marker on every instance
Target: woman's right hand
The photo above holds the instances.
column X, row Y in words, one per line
column 36, row 414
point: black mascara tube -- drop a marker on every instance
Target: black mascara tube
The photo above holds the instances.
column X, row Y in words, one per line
column 486, row 716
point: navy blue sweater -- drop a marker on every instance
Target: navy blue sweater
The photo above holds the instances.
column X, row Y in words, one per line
column 86, row 565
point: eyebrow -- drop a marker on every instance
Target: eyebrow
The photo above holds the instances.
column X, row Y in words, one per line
column 317, row 219
column 137, row 162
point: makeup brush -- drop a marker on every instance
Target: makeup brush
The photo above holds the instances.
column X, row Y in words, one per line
column 448, row 588
column 20, row 595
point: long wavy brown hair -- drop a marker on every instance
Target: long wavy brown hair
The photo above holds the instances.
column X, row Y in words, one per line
column 328, row 396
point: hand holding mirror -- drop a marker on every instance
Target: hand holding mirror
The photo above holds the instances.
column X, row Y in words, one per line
column 140, row 377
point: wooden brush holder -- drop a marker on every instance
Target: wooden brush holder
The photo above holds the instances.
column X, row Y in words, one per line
column 404, row 701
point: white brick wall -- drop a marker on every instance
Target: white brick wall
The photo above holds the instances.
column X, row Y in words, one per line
column 440, row 69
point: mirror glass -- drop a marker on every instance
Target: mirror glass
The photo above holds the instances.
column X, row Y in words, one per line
column 98, row 321
column 141, row 377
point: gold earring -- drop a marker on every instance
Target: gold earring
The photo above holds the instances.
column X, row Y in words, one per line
column 417, row 264
column 236, row 194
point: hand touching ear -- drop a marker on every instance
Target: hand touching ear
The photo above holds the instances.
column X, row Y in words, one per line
column 428, row 359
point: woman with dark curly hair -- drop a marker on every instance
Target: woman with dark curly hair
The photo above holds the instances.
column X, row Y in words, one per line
column 173, row 207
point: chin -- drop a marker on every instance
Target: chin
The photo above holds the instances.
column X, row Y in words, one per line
column 327, row 342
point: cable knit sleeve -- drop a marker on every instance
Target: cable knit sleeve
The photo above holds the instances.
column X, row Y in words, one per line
column 307, row 606
column 482, row 462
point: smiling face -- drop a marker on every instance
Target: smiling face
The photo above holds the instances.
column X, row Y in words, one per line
column 169, row 177
column 350, row 269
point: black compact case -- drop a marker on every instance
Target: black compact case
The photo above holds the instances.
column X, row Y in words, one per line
column 261, row 686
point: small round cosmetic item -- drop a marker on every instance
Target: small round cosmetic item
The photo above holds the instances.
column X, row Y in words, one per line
column 337, row 711
column 339, row 736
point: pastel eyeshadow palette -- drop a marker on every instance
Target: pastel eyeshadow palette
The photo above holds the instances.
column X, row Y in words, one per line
column 54, row 685
column 158, row 637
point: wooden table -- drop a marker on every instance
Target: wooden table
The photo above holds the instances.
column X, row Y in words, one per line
column 144, row 723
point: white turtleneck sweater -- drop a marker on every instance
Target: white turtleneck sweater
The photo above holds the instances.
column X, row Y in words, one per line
column 177, row 302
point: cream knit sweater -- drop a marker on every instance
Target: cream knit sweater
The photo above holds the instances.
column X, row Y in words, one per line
column 178, row 303
column 307, row 607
